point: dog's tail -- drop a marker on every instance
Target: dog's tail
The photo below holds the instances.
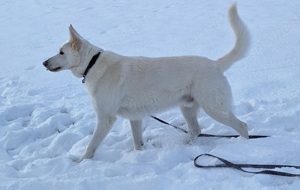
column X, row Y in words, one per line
column 242, row 40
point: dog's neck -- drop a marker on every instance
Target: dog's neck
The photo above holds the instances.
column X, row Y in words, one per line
column 90, row 65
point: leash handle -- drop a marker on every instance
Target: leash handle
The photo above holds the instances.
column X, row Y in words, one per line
column 228, row 164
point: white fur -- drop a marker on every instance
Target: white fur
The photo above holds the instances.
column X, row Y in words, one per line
column 136, row 87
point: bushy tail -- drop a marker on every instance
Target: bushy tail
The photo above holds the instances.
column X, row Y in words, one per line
column 242, row 40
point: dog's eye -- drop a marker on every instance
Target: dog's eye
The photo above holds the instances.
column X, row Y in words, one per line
column 61, row 53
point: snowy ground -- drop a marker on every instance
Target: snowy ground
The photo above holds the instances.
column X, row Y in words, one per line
column 45, row 118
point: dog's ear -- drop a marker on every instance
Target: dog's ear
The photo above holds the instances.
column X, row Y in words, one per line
column 75, row 39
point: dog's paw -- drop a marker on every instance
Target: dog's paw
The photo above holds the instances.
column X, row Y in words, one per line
column 77, row 159
column 194, row 134
column 245, row 134
column 244, row 131
column 87, row 155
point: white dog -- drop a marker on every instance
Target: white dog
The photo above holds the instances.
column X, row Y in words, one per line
column 136, row 87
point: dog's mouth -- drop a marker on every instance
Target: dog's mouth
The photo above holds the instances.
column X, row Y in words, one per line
column 55, row 69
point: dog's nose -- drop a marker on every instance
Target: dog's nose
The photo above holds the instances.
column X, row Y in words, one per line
column 45, row 63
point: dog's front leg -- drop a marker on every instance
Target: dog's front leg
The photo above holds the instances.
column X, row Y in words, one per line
column 136, row 129
column 104, row 125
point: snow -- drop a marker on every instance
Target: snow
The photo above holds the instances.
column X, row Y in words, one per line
column 47, row 118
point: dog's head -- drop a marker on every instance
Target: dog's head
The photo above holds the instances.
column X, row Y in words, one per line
column 73, row 55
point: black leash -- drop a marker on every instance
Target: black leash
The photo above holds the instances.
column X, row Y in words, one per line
column 208, row 135
column 166, row 123
column 228, row 164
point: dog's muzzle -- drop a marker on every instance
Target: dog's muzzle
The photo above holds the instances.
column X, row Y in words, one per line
column 46, row 64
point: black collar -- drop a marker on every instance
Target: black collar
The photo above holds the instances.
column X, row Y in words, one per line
column 91, row 64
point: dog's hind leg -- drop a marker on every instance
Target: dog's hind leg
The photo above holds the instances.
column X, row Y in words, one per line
column 104, row 125
column 216, row 102
column 136, row 129
column 221, row 112
column 230, row 120
column 189, row 110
